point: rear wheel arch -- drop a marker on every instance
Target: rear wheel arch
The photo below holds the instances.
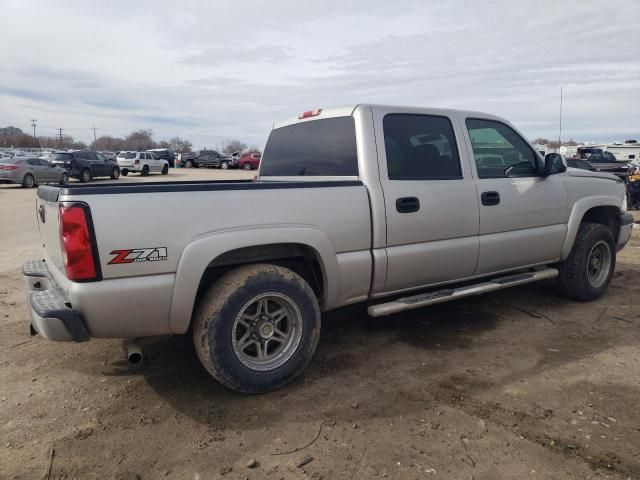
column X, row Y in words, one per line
column 307, row 251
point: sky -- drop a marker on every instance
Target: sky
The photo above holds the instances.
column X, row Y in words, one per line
column 211, row 71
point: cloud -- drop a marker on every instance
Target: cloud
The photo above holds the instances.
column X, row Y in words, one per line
column 211, row 71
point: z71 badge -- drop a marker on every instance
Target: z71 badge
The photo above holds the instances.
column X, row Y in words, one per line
column 137, row 255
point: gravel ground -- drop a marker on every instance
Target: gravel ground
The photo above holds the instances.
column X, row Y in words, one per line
column 515, row 384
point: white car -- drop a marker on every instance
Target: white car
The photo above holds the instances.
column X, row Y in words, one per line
column 142, row 162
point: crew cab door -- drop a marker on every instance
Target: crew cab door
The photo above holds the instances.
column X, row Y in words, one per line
column 431, row 200
column 523, row 214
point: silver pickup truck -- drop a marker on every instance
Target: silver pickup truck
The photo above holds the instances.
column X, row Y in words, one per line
column 395, row 206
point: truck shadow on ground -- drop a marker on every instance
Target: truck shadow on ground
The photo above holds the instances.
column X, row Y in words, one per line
column 378, row 362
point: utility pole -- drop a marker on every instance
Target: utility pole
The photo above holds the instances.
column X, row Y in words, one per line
column 61, row 144
column 33, row 124
column 95, row 140
column 560, row 132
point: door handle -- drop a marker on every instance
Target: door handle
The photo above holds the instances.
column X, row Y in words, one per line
column 490, row 198
column 407, row 205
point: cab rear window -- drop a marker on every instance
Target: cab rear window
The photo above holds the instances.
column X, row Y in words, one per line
column 324, row 148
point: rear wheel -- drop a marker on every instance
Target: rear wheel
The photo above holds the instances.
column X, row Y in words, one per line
column 257, row 327
column 587, row 271
column 115, row 173
column 85, row 176
column 28, row 181
column 165, row 169
column 246, row 166
column 188, row 164
column 145, row 171
column 64, row 179
column 124, row 172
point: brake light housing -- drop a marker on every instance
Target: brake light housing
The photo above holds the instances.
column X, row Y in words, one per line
column 8, row 167
column 310, row 113
column 79, row 251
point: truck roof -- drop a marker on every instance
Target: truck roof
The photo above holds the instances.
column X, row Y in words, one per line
column 347, row 110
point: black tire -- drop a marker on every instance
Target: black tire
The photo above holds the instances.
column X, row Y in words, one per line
column 28, row 181
column 188, row 164
column 165, row 169
column 124, row 172
column 247, row 166
column 575, row 280
column 145, row 171
column 219, row 309
column 64, row 179
column 85, row 175
column 115, row 173
column 224, row 165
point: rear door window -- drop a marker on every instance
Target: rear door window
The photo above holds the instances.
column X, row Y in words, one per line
column 61, row 157
column 324, row 147
column 420, row 147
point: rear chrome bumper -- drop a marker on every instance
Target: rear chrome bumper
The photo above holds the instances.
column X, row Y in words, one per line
column 50, row 309
column 626, row 226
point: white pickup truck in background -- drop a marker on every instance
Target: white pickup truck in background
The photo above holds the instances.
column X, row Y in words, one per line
column 395, row 206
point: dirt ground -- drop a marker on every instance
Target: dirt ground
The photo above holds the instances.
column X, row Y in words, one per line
column 518, row 384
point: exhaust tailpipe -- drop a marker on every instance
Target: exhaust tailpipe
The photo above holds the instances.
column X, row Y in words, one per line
column 133, row 352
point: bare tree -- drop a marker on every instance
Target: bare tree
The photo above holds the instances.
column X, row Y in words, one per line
column 140, row 140
column 180, row 145
column 234, row 146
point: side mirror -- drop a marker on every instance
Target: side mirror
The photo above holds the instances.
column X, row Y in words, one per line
column 554, row 163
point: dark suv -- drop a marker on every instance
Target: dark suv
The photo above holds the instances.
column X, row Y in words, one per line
column 165, row 154
column 86, row 164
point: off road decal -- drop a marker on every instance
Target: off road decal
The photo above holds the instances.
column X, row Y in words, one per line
column 137, row 255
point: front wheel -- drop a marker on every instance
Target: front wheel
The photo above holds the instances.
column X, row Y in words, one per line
column 224, row 165
column 257, row 327
column 246, row 166
column 115, row 173
column 165, row 169
column 188, row 164
column 64, row 179
column 587, row 271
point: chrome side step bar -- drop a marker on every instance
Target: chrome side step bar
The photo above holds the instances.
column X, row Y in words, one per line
column 446, row 295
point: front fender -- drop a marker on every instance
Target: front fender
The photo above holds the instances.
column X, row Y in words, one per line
column 203, row 250
column 580, row 207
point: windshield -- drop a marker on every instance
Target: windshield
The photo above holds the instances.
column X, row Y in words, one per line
column 127, row 155
column 320, row 147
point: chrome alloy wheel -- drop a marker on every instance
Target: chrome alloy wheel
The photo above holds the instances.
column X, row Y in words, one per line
column 267, row 331
column 598, row 264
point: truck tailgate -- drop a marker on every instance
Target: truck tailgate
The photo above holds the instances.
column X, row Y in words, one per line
column 49, row 223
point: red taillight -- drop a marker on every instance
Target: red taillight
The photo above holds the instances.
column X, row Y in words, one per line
column 8, row 167
column 136, row 162
column 75, row 240
column 310, row 113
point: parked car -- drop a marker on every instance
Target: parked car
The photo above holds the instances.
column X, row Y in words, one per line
column 607, row 162
column 249, row 161
column 582, row 164
column 389, row 200
column 31, row 171
column 165, row 154
column 86, row 164
column 586, row 152
column 142, row 162
column 208, row 158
